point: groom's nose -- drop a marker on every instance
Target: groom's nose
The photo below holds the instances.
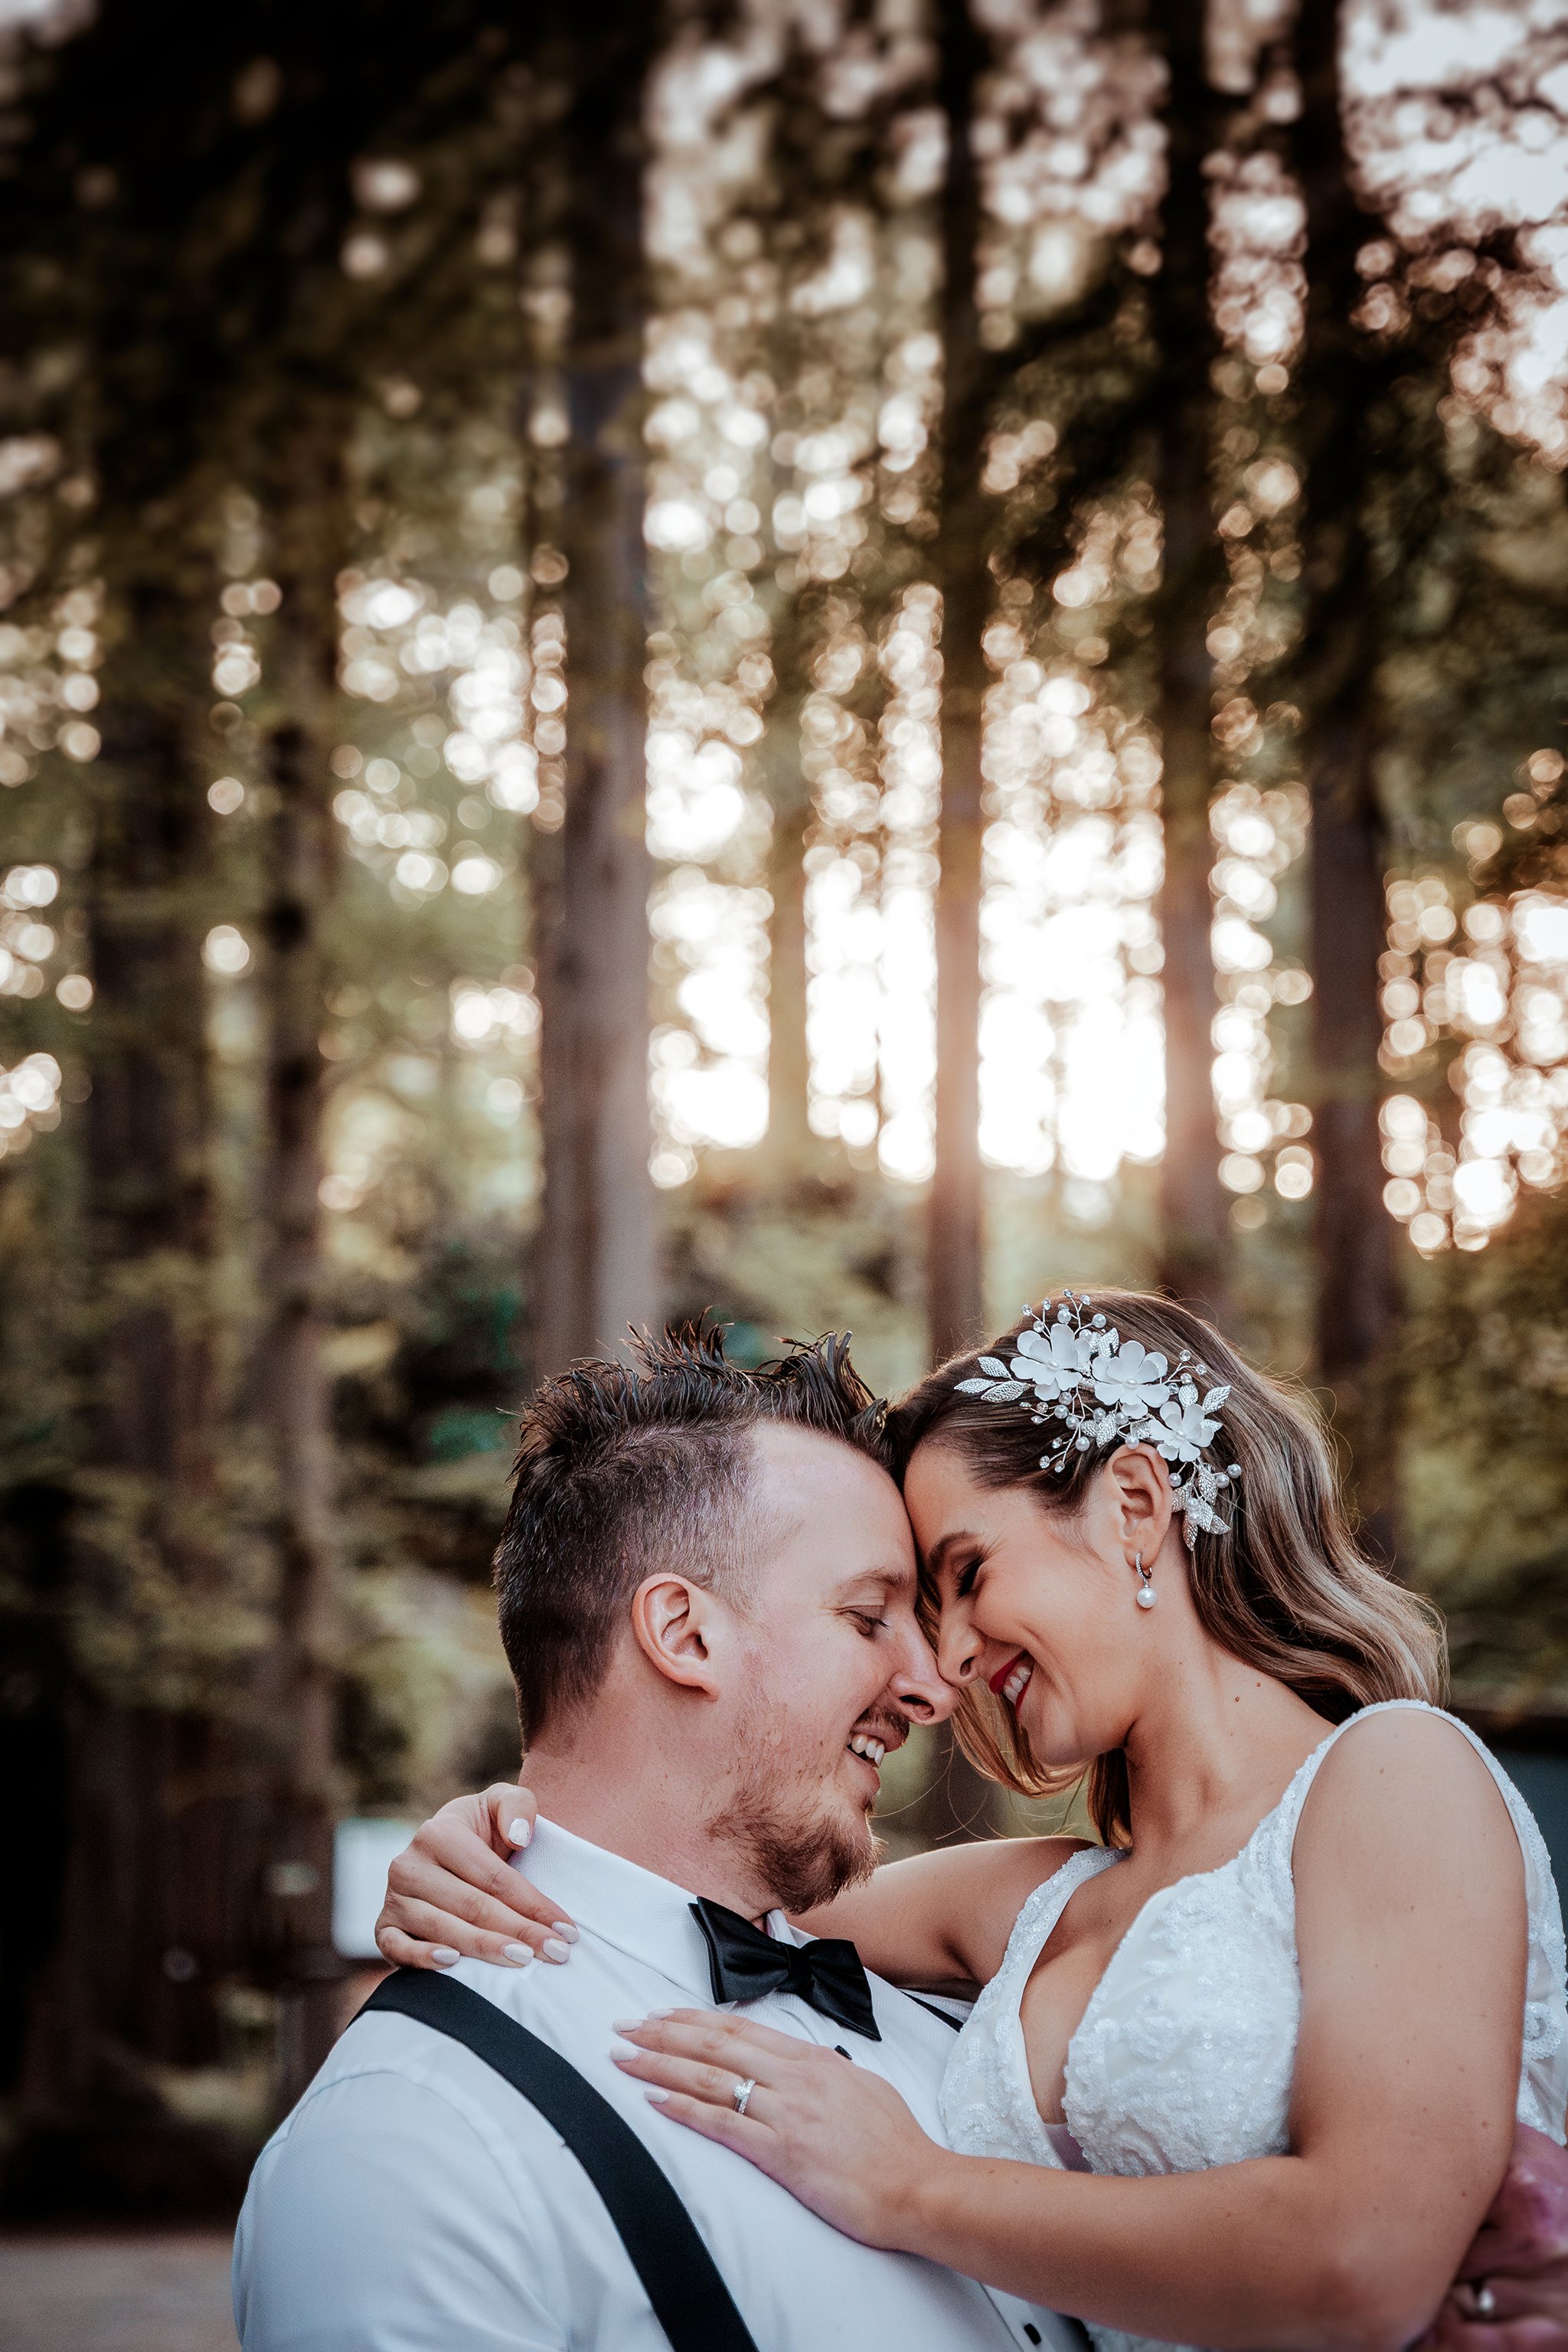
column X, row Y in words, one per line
column 918, row 1691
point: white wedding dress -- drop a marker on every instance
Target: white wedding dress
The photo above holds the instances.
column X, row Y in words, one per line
column 1185, row 2053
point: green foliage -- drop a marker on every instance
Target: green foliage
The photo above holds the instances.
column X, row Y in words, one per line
column 1484, row 1367
column 256, row 390
column 838, row 1251
column 428, row 1372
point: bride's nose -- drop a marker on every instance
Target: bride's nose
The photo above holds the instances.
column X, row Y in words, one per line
column 958, row 1647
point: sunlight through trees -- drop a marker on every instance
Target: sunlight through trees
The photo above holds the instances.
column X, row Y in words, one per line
column 827, row 662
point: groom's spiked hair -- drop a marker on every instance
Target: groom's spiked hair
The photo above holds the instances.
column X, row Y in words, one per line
column 626, row 1468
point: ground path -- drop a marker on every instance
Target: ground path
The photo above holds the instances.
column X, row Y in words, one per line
column 115, row 2291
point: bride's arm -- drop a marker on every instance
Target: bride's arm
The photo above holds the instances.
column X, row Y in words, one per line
column 939, row 1920
column 1411, row 1930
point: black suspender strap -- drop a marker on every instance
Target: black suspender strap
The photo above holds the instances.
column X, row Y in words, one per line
column 679, row 2277
column 955, row 2024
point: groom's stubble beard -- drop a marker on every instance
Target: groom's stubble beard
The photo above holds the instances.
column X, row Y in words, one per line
column 796, row 1840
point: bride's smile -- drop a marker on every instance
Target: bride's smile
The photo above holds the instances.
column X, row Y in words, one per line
column 1012, row 1680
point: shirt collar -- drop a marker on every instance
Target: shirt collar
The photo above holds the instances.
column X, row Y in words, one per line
column 632, row 1909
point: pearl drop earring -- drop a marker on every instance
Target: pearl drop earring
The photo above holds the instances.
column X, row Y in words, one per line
column 1146, row 1589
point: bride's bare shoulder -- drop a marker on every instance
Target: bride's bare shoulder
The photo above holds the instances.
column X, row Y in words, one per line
column 1015, row 1868
column 941, row 1920
column 1402, row 1781
column 1401, row 1745
column 1003, row 1871
column 978, row 1891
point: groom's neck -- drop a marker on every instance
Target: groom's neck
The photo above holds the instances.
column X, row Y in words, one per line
column 651, row 1812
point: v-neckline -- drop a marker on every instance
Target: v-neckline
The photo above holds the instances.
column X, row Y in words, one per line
column 1102, row 1858
column 1114, row 1855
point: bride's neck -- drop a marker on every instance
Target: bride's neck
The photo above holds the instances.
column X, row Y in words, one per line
column 1214, row 1738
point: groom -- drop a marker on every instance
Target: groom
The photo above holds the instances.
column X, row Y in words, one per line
column 707, row 1599
column 707, row 1589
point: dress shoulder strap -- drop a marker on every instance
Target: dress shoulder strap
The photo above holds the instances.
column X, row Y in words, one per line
column 1286, row 1818
column 1037, row 1919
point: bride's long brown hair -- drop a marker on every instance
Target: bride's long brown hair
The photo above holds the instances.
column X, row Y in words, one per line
column 1285, row 1589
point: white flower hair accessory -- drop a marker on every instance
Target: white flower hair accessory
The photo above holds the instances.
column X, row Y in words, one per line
column 1072, row 1366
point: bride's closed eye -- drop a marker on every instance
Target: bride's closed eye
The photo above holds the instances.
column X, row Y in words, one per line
column 968, row 1576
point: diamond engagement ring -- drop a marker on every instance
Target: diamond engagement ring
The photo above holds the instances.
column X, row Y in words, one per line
column 743, row 2092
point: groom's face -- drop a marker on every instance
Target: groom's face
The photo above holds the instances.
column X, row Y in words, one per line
column 827, row 1669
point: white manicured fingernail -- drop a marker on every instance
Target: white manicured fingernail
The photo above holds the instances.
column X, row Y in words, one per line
column 444, row 1956
column 657, row 2012
column 565, row 1930
column 625, row 2024
column 554, row 1949
column 657, row 2097
column 621, row 2050
column 519, row 1955
column 519, row 1832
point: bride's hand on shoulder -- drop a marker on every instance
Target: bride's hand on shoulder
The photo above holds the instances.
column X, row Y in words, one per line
column 834, row 2134
column 454, row 1894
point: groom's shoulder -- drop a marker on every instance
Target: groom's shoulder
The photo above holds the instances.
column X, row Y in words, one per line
column 401, row 2200
column 385, row 2064
column 402, row 2118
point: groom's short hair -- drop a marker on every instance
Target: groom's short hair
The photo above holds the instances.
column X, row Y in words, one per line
column 625, row 1469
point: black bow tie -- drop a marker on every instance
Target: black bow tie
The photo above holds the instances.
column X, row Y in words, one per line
column 745, row 1964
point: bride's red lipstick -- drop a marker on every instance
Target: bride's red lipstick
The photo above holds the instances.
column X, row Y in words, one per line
column 1002, row 1673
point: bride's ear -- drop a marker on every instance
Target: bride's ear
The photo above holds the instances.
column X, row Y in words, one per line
column 1140, row 1485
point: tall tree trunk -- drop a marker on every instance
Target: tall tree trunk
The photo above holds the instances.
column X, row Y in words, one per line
column 955, row 1304
column 957, row 1803
column 1342, row 381
column 789, row 1141
column 143, row 1941
column 598, row 1253
column 292, row 1389
column 1194, row 1243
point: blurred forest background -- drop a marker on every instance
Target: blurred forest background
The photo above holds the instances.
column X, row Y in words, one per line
column 833, row 659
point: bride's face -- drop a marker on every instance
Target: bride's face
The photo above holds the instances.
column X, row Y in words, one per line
column 1042, row 1605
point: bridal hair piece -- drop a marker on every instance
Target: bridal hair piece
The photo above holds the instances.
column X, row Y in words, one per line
column 1071, row 1368
column 1284, row 1585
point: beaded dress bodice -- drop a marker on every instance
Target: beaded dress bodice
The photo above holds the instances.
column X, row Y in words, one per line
column 1185, row 2053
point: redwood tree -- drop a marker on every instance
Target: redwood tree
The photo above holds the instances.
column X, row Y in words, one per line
column 1195, row 1224
column 597, row 1260
column 1345, row 380
column 955, row 1247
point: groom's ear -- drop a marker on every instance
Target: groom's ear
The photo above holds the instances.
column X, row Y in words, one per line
column 672, row 1624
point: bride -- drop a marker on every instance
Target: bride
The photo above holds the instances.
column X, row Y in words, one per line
column 1245, row 2071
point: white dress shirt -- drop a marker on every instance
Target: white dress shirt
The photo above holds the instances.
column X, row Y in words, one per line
column 415, row 2202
